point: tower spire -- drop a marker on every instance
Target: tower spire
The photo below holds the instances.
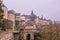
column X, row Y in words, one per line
column 32, row 12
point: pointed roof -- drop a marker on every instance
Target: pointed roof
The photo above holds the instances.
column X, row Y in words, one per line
column 33, row 15
column 32, row 12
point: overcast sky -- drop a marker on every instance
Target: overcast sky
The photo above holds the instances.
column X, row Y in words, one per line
column 50, row 9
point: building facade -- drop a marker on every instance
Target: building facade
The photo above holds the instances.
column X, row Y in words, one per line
column 11, row 17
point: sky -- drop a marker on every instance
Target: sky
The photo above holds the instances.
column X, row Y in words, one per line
column 50, row 9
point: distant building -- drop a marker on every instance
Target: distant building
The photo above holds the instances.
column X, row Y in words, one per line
column 22, row 18
column 43, row 22
column 37, row 20
column 29, row 17
column 17, row 19
column 17, row 16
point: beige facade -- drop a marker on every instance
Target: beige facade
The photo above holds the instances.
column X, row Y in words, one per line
column 27, row 20
column 28, row 30
column 17, row 18
column 11, row 17
column 43, row 22
column 37, row 20
column 22, row 18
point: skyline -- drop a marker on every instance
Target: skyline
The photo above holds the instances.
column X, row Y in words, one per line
column 50, row 9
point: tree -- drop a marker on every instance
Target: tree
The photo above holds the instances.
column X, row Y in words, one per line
column 1, row 17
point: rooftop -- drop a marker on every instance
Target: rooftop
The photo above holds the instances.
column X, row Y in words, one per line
column 17, row 14
column 11, row 11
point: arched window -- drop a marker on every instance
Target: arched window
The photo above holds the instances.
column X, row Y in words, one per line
column 28, row 37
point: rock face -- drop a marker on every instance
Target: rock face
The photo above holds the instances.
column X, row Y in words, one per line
column 6, row 36
column 8, row 24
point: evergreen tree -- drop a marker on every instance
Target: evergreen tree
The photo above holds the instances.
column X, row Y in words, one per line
column 1, row 17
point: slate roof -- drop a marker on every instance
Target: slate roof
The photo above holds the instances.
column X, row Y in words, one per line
column 17, row 14
column 30, row 16
column 11, row 11
column 27, row 16
column 4, row 6
column 33, row 15
column 29, row 23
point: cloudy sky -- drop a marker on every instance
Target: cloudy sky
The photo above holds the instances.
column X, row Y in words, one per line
column 50, row 9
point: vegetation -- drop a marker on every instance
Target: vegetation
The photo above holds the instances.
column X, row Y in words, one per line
column 1, row 19
column 51, row 32
column 16, row 23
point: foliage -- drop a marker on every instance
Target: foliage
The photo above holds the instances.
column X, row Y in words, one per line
column 1, row 19
column 1, row 11
column 51, row 32
column 37, row 36
column 16, row 22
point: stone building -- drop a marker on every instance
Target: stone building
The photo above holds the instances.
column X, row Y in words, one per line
column 28, row 31
column 17, row 19
column 10, row 21
column 11, row 15
column 17, row 16
column 30, row 17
